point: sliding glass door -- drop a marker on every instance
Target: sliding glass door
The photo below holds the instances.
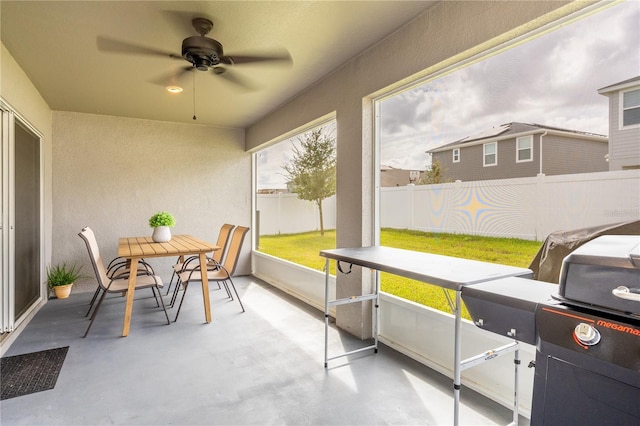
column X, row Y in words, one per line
column 21, row 227
column 27, row 219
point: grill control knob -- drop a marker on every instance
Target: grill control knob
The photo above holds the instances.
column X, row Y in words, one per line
column 587, row 334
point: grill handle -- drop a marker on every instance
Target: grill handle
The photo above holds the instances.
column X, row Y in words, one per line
column 626, row 293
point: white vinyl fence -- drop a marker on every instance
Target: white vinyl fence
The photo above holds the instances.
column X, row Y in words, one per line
column 286, row 214
column 526, row 208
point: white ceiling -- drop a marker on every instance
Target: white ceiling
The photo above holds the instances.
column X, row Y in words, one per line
column 55, row 44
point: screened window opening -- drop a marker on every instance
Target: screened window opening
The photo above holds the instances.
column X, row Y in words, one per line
column 510, row 98
column 295, row 197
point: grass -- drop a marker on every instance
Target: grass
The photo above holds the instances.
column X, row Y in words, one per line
column 300, row 248
column 304, row 248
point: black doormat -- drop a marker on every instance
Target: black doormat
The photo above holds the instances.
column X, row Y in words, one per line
column 29, row 373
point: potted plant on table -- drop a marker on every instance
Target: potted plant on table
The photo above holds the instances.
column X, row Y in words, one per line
column 61, row 278
column 161, row 222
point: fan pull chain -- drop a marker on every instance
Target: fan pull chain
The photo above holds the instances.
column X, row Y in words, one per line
column 194, row 94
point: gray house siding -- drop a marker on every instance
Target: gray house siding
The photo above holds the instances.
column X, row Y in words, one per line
column 624, row 148
column 446, row 163
column 624, row 143
column 470, row 167
column 560, row 155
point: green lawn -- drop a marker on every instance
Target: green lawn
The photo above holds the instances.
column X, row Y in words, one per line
column 304, row 248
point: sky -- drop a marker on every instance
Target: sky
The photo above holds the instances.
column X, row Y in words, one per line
column 271, row 160
column 551, row 80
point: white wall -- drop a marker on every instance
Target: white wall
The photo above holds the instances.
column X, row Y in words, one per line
column 113, row 173
column 299, row 281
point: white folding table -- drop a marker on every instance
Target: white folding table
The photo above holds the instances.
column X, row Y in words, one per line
column 444, row 271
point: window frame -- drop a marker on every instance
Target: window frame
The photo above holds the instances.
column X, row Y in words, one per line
column 484, row 154
column 455, row 155
column 622, row 109
column 528, row 138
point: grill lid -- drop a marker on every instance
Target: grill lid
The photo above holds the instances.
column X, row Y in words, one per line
column 604, row 273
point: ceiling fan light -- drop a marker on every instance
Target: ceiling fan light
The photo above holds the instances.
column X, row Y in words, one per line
column 174, row 89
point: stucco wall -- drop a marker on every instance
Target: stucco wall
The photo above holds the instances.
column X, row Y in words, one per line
column 443, row 35
column 113, row 173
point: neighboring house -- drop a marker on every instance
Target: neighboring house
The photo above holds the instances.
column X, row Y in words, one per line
column 522, row 150
column 390, row 176
column 273, row 191
column 624, row 124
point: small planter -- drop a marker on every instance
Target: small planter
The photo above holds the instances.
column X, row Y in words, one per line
column 161, row 234
column 63, row 291
column 60, row 279
column 161, row 222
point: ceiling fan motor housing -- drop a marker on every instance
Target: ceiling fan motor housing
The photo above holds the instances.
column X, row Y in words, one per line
column 202, row 52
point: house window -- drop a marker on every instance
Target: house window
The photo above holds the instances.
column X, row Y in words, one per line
column 524, row 149
column 490, row 151
column 631, row 108
column 456, row 155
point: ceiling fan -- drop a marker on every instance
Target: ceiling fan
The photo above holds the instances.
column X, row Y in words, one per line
column 202, row 53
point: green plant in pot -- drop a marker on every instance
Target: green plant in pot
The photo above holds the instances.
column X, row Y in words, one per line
column 61, row 278
column 161, row 222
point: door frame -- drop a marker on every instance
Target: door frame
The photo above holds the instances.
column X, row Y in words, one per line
column 9, row 119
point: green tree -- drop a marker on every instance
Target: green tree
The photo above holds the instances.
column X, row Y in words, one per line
column 311, row 173
column 433, row 175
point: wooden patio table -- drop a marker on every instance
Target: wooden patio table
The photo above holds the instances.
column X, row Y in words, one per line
column 136, row 248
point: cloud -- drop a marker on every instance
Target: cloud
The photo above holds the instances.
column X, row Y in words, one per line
column 270, row 161
column 552, row 80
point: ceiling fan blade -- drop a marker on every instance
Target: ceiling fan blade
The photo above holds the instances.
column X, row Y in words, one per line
column 282, row 56
column 172, row 78
column 235, row 78
column 106, row 44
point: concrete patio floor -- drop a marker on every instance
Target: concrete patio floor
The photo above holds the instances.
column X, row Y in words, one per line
column 262, row 367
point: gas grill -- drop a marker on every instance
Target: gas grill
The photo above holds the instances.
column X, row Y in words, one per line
column 586, row 331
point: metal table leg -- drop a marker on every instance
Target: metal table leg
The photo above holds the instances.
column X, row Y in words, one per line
column 347, row 300
column 326, row 312
column 456, row 359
